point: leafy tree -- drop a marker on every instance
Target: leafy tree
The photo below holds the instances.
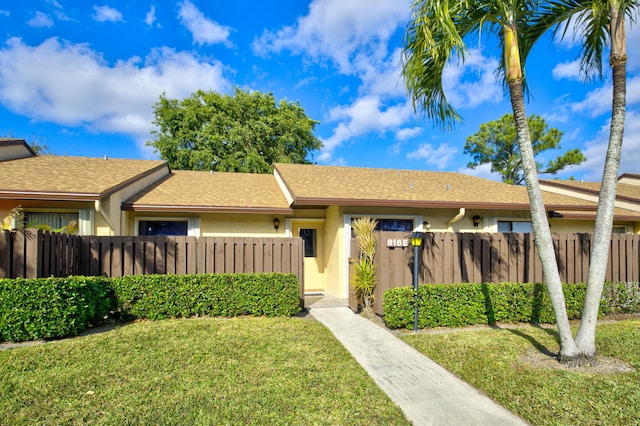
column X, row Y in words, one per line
column 598, row 23
column 435, row 35
column 496, row 144
column 246, row 132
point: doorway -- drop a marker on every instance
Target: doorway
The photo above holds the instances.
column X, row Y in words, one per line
column 312, row 233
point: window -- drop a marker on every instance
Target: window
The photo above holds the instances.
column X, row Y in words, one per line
column 163, row 227
column 402, row 225
column 309, row 238
column 511, row 226
column 49, row 220
column 395, row 225
column 621, row 229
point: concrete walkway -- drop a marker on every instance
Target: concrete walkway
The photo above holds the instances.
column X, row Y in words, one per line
column 427, row 393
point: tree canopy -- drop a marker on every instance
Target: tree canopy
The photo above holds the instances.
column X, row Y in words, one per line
column 496, row 144
column 246, row 132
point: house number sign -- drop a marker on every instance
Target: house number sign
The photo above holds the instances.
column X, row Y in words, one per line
column 397, row 243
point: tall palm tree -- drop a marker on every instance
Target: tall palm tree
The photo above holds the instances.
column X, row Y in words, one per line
column 597, row 22
column 435, row 36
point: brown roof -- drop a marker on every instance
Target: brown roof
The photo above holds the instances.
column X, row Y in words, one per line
column 330, row 185
column 78, row 178
column 215, row 192
column 624, row 191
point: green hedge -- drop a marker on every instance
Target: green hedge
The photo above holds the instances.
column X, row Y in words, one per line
column 42, row 308
column 166, row 296
column 455, row 305
column 45, row 308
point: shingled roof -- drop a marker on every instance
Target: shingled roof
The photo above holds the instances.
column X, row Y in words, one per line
column 70, row 178
column 330, row 185
column 624, row 191
column 191, row 191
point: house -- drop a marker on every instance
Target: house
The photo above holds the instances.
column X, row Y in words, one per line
column 144, row 197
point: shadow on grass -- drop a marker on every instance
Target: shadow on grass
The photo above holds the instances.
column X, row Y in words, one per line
column 535, row 343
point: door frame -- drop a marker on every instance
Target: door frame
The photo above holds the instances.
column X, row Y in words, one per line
column 288, row 223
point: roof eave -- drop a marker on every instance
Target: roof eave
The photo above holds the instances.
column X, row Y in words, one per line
column 311, row 201
column 205, row 209
column 49, row 196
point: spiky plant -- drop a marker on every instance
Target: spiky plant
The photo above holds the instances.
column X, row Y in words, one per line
column 365, row 269
column 14, row 219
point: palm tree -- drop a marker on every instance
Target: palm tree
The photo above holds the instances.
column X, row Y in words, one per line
column 597, row 22
column 435, row 35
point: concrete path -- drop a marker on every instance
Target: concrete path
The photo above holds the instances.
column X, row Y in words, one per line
column 427, row 393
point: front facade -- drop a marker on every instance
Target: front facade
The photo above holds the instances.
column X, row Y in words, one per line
column 317, row 203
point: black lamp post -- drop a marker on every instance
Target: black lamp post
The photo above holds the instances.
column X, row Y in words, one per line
column 416, row 242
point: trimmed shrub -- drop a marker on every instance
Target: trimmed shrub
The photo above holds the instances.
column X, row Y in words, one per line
column 45, row 308
column 228, row 295
column 455, row 305
column 622, row 298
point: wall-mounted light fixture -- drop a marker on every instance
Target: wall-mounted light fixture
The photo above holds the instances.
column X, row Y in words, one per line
column 476, row 221
column 554, row 214
column 276, row 223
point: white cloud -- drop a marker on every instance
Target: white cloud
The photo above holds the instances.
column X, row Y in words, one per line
column 78, row 88
column 595, row 150
column 568, row 70
column 106, row 14
column 408, row 133
column 203, row 30
column 338, row 29
column 353, row 37
column 381, row 78
column 150, row 18
column 473, row 82
column 5, row 13
column 40, row 20
column 598, row 101
column 438, row 157
column 364, row 116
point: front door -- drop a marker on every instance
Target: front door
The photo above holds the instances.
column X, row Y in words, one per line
column 311, row 233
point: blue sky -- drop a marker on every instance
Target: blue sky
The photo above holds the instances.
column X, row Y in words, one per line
column 82, row 78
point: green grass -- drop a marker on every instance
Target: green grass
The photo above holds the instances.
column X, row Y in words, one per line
column 491, row 360
column 241, row 371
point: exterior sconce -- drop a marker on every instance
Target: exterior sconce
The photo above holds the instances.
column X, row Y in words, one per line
column 276, row 223
column 476, row 221
column 554, row 214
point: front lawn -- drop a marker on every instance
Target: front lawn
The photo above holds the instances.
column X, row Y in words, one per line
column 237, row 371
column 509, row 365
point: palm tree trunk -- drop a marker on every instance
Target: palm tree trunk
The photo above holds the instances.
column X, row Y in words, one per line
column 586, row 337
column 569, row 352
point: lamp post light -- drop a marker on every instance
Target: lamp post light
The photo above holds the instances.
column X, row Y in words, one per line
column 416, row 243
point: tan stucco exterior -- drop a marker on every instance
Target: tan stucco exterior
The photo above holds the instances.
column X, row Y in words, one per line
column 112, row 196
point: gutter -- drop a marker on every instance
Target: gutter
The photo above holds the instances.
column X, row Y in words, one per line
column 456, row 218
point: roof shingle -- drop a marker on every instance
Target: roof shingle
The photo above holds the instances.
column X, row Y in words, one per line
column 203, row 191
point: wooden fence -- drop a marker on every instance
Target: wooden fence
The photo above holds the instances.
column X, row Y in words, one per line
column 32, row 253
column 448, row 257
